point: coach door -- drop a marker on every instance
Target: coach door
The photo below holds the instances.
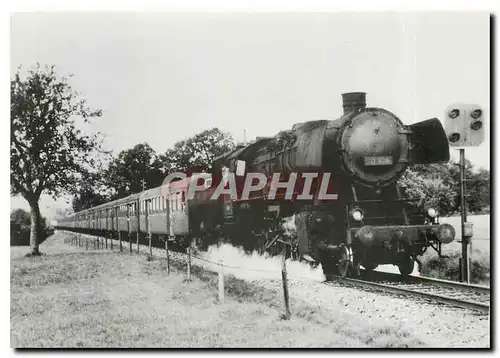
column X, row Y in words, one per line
column 178, row 214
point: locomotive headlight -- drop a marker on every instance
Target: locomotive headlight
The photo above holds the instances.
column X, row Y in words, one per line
column 357, row 214
column 432, row 212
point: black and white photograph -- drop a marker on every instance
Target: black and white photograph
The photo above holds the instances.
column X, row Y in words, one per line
column 250, row 179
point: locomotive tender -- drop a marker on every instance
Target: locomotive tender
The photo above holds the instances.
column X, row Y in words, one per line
column 360, row 155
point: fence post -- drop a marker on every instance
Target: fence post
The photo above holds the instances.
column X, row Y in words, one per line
column 118, row 227
column 112, row 232
column 130, row 240
column 285, row 284
column 189, row 263
column 86, row 243
column 128, row 228
column 221, row 282
column 137, row 241
column 148, row 228
column 168, row 258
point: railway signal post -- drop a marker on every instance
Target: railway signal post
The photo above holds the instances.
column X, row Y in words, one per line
column 464, row 126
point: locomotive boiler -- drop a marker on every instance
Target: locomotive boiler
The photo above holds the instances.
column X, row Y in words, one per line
column 361, row 155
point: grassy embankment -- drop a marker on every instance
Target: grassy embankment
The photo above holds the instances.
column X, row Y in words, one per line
column 449, row 268
column 73, row 298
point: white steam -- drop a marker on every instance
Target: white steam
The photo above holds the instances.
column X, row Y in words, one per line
column 256, row 266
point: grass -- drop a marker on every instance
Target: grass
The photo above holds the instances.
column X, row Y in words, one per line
column 448, row 268
column 69, row 297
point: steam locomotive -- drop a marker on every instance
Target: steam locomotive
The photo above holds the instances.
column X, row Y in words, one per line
column 336, row 178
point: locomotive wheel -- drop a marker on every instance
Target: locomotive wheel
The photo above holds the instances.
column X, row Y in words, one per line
column 345, row 262
column 406, row 265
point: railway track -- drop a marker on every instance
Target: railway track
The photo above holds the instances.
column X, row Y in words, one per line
column 452, row 293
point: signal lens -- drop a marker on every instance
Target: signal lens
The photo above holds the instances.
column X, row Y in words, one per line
column 476, row 125
column 454, row 137
column 454, row 113
column 476, row 113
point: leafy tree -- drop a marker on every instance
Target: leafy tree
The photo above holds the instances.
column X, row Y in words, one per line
column 48, row 148
column 91, row 193
column 198, row 152
column 126, row 173
column 478, row 191
column 440, row 184
column 434, row 190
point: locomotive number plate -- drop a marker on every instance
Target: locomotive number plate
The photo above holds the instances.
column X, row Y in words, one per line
column 372, row 161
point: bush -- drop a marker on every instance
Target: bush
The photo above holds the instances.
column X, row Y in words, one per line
column 449, row 269
column 20, row 228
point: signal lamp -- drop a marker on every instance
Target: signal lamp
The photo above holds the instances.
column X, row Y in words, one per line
column 454, row 113
column 476, row 125
column 476, row 113
column 454, row 137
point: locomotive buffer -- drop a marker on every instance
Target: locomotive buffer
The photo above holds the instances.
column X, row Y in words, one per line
column 464, row 126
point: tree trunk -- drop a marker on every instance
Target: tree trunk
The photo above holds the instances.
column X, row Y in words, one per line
column 35, row 234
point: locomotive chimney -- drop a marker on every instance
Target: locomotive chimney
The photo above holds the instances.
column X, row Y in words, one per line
column 353, row 101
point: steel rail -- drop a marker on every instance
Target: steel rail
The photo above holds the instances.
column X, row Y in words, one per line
column 432, row 281
column 481, row 307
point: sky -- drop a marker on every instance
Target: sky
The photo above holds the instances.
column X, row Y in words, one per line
column 162, row 77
